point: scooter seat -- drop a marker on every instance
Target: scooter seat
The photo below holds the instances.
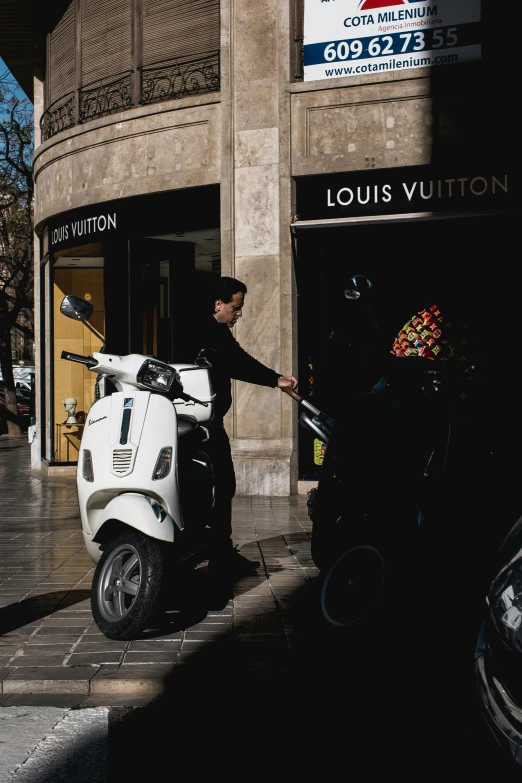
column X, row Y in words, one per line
column 186, row 424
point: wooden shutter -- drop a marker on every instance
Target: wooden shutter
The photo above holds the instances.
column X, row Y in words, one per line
column 179, row 28
column 106, row 38
column 299, row 11
column 62, row 76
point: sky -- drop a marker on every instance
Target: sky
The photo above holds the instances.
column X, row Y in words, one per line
column 3, row 67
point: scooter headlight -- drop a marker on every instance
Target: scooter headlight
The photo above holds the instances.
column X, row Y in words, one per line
column 158, row 376
column 163, row 464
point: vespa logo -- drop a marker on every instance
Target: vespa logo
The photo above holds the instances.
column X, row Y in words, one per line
column 95, row 421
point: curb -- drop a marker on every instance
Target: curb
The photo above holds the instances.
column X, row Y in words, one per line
column 134, row 681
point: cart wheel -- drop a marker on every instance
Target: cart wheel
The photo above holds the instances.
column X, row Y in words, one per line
column 352, row 585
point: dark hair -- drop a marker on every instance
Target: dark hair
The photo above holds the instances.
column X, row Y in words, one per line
column 224, row 288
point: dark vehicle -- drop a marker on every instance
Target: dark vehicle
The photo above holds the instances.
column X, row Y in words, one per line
column 419, row 486
column 414, row 472
column 498, row 657
column 24, row 403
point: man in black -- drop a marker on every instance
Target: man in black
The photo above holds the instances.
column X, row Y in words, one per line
column 213, row 334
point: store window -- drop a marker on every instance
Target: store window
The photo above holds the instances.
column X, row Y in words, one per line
column 79, row 272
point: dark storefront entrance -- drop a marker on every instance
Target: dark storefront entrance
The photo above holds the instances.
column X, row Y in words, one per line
column 465, row 261
column 151, row 249
column 142, row 262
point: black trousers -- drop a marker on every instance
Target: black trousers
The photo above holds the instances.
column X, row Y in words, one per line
column 218, row 449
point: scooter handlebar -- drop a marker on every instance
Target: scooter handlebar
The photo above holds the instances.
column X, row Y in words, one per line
column 291, row 393
column 76, row 357
column 311, row 418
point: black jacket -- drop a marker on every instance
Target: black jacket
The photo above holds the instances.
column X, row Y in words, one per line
column 228, row 360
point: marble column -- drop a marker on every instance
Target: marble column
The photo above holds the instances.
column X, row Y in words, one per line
column 257, row 209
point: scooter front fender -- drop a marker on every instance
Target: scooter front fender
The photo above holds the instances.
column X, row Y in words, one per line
column 134, row 510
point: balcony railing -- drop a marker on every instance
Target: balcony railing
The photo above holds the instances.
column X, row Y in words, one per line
column 105, row 96
column 170, row 79
column 59, row 116
column 164, row 80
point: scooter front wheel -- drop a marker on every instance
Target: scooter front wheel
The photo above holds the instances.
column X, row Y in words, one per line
column 127, row 585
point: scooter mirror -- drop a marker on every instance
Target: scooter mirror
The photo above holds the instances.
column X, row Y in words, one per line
column 203, row 359
column 76, row 308
column 80, row 310
column 356, row 286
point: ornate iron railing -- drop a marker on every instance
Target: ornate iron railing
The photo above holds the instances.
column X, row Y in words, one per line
column 161, row 81
column 171, row 79
column 105, row 96
column 59, row 116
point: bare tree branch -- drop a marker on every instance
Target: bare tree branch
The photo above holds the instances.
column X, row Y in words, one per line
column 16, row 234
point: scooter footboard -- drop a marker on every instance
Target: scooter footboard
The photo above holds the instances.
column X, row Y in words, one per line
column 136, row 511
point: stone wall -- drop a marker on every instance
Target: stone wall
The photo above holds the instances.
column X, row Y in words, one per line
column 145, row 150
column 362, row 125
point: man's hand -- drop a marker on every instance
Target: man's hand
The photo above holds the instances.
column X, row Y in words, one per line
column 286, row 381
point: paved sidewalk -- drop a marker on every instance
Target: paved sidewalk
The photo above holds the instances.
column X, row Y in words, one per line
column 51, row 651
column 251, row 682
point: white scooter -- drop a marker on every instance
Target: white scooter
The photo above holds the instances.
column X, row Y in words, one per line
column 144, row 481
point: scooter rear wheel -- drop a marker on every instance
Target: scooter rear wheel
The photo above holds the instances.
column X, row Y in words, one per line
column 127, row 585
column 352, row 585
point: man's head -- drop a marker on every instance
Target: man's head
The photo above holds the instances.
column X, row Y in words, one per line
column 229, row 297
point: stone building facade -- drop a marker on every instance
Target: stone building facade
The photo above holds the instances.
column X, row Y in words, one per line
column 285, row 178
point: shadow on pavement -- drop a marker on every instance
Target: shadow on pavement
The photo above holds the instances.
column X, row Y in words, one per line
column 375, row 701
column 369, row 703
column 394, row 695
column 31, row 610
column 191, row 597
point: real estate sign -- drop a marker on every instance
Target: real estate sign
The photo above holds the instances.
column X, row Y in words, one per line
column 361, row 37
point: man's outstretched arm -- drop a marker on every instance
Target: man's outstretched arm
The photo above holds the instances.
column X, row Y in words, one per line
column 285, row 381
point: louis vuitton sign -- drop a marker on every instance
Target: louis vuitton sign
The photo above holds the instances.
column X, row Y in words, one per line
column 404, row 190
